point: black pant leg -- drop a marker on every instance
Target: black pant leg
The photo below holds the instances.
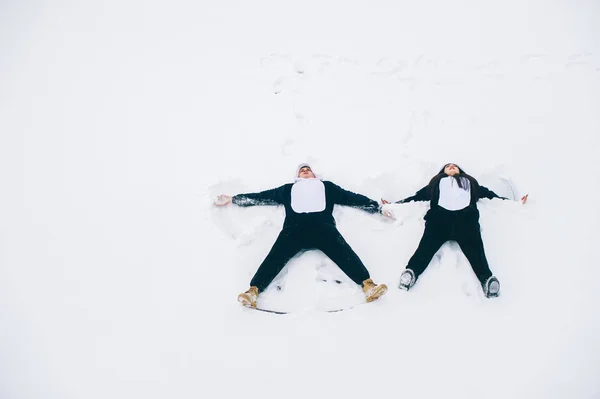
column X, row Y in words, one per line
column 288, row 243
column 434, row 236
column 468, row 237
column 328, row 239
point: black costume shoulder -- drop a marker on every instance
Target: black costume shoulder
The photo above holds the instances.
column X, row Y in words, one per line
column 334, row 195
column 424, row 194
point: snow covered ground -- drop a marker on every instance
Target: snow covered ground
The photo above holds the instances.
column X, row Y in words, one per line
column 121, row 120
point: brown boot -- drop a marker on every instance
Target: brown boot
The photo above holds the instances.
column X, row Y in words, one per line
column 373, row 291
column 249, row 297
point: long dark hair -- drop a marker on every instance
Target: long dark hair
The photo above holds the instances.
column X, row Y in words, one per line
column 463, row 179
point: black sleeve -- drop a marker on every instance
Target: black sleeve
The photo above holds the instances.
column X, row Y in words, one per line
column 485, row 192
column 348, row 198
column 421, row 195
column 268, row 197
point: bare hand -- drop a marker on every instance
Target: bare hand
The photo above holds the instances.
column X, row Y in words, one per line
column 223, row 200
column 524, row 199
column 384, row 201
column 387, row 212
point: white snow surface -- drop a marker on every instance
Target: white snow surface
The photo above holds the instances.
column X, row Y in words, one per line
column 120, row 121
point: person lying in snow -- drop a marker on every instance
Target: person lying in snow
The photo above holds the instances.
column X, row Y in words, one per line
column 453, row 215
column 309, row 224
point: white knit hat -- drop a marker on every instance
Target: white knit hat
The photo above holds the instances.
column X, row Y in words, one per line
column 302, row 165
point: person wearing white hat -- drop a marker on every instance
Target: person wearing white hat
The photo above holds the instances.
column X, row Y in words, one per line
column 309, row 224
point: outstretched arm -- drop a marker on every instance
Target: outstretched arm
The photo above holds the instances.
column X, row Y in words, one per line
column 421, row 195
column 485, row 192
column 268, row 197
column 348, row 198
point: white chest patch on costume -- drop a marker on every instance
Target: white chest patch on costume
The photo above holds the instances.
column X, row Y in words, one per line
column 308, row 196
column 452, row 197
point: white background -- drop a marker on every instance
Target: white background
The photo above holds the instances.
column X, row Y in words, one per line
column 120, row 121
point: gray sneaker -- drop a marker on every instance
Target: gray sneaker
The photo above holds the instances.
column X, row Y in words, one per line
column 491, row 287
column 407, row 280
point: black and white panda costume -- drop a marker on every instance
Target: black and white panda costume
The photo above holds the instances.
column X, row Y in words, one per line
column 309, row 224
column 453, row 215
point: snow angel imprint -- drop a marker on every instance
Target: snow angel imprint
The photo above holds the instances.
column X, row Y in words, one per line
column 309, row 224
column 453, row 215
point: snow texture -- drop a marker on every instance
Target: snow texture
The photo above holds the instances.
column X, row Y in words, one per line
column 121, row 121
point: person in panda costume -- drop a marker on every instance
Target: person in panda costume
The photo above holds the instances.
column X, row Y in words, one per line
column 308, row 224
column 453, row 215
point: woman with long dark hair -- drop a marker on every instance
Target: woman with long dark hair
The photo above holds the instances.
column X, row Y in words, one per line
column 453, row 196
